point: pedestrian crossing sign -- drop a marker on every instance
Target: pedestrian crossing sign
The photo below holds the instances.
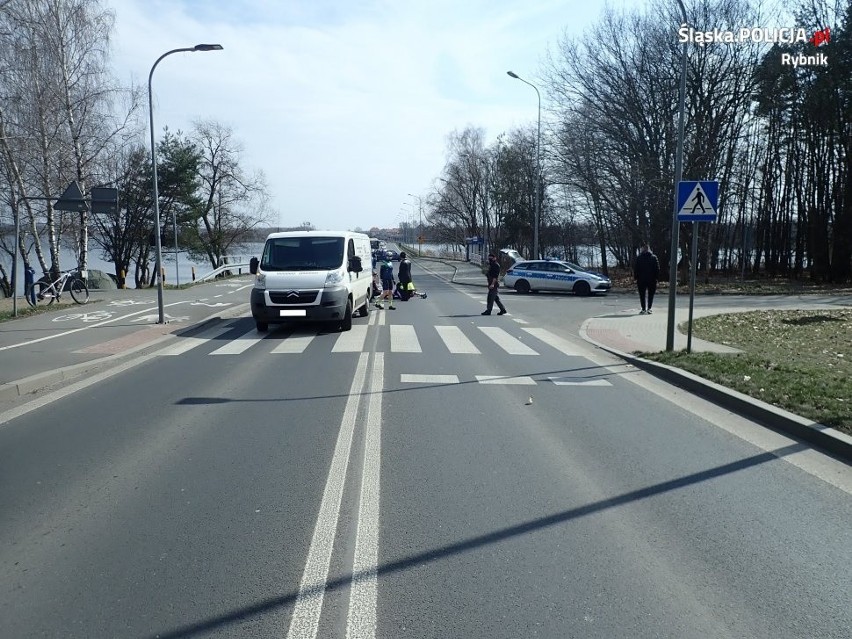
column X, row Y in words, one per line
column 697, row 201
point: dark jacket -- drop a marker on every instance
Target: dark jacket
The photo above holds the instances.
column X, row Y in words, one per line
column 405, row 271
column 493, row 272
column 646, row 269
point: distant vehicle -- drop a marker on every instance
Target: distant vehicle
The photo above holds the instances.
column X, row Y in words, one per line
column 392, row 255
column 375, row 244
column 312, row 275
column 554, row 275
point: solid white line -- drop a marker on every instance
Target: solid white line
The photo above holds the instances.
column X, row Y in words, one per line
column 519, row 321
column 456, row 341
column 83, row 328
column 511, row 345
column 499, row 379
column 240, row 344
column 306, row 613
column 559, row 343
column 404, row 339
column 428, row 379
column 352, row 341
column 361, row 621
column 188, row 343
column 49, row 398
column 296, row 342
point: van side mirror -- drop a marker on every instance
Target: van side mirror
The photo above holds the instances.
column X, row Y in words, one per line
column 355, row 264
column 253, row 262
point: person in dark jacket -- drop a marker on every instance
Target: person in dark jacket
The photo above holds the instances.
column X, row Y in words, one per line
column 404, row 276
column 493, row 286
column 646, row 270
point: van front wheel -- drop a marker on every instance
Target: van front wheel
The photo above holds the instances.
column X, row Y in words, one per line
column 262, row 327
column 364, row 311
column 346, row 324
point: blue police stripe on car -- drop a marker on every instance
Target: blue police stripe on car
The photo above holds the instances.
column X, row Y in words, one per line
column 544, row 276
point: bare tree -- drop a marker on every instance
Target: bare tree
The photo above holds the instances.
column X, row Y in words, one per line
column 59, row 101
column 231, row 201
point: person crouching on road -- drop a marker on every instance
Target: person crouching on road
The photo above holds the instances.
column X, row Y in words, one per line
column 386, row 275
column 493, row 286
column 646, row 270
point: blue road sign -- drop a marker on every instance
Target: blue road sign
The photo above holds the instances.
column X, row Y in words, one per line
column 697, row 201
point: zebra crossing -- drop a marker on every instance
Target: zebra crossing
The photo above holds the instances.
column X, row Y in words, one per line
column 395, row 338
column 404, row 338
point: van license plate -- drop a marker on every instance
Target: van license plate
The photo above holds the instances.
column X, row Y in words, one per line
column 292, row 313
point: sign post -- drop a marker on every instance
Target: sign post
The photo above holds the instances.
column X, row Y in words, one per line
column 696, row 202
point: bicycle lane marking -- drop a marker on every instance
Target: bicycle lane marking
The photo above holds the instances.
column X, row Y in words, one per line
column 82, row 328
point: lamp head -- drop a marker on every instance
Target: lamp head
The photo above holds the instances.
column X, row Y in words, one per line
column 512, row 74
column 207, row 47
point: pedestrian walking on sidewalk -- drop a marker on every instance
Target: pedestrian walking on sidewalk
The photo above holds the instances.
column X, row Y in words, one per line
column 386, row 276
column 493, row 286
column 646, row 270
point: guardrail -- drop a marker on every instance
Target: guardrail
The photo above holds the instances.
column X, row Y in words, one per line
column 236, row 266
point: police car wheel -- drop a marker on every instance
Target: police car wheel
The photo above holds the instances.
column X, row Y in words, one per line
column 522, row 286
column 582, row 288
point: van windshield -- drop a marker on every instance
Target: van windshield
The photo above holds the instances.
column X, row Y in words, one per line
column 302, row 254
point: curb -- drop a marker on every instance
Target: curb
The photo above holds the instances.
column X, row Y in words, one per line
column 772, row 417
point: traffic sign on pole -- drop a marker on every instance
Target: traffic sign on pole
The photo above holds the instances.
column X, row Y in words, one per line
column 697, row 201
column 71, row 199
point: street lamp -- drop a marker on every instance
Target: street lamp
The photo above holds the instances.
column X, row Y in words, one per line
column 670, row 326
column 197, row 47
column 420, row 228
column 512, row 74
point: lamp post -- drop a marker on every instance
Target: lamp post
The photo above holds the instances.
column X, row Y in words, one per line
column 159, row 271
column 420, row 228
column 537, row 166
column 670, row 326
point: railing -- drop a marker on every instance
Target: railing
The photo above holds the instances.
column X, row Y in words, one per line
column 234, row 266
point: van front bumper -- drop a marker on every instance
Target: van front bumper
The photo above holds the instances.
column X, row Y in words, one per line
column 330, row 306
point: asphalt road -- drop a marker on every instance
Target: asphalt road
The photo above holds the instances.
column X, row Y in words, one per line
column 432, row 473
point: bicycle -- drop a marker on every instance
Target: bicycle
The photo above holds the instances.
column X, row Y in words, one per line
column 44, row 291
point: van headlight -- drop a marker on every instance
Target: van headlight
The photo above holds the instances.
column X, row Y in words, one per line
column 260, row 280
column 333, row 277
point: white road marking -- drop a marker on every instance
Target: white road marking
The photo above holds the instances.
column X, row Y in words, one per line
column 519, row 321
column 306, row 614
column 404, row 339
column 456, row 341
column 241, row 344
column 574, row 381
column 559, row 343
column 82, row 328
column 410, row 378
column 296, row 342
column 352, row 341
column 511, row 345
column 500, row 379
column 188, row 343
column 361, row 621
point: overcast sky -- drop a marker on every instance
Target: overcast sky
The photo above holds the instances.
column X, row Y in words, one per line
column 345, row 105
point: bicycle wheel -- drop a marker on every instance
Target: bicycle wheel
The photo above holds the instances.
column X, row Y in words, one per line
column 79, row 291
column 39, row 293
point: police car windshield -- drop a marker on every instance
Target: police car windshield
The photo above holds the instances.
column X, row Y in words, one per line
column 302, row 254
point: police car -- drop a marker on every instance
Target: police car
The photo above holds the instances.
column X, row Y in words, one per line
column 554, row 275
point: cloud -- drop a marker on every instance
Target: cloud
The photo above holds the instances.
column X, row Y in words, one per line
column 345, row 106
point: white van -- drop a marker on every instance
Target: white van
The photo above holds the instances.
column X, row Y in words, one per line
column 312, row 276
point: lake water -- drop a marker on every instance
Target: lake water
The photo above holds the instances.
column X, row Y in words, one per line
column 185, row 266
